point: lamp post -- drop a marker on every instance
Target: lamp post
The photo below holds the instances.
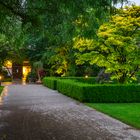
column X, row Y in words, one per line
column 0, row 80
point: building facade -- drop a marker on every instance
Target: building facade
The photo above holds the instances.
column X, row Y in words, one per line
column 17, row 70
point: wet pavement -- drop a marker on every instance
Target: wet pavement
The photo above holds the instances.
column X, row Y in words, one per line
column 34, row 112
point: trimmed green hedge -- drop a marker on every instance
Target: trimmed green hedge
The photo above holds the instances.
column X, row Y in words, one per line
column 50, row 82
column 112, row 93
column 70, row 88
column 100, row 93
column 97, row 93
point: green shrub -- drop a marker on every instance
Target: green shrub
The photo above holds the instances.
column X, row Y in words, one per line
column 1, row 89
column 90, row 80
column 70, row 88
column 99, row 93
column 50, row 82
column 112, row 93
column 31, row 77
column 7, row 79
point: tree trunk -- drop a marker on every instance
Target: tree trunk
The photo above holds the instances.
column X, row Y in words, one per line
column 39, row 78
column 122, row 79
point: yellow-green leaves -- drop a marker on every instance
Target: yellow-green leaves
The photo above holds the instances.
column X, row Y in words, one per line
column 83, row 44
column 117, row 47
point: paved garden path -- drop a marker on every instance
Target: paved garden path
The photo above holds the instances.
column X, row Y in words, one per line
column 34, row 112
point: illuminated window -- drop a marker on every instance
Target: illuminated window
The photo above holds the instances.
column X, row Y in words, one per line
column 26, row 70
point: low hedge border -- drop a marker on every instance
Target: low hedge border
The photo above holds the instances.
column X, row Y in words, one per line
column 70, row 88
column 112, row 93
column 50, row 82
column 98, row 93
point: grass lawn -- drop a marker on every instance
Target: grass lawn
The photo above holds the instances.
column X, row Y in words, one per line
column 1, row 88
column 128, row 113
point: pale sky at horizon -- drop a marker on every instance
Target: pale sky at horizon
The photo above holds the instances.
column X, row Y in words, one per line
column 136, row 1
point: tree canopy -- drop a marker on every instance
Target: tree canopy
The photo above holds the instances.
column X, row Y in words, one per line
column 117, row 47
column 45, row 30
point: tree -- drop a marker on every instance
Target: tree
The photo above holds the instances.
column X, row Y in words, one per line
column 11, row 47
column 51, row 25
column 73, row 18
column 38, row 66
column 116, row 48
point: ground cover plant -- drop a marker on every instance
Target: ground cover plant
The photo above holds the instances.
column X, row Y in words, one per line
column 128, row 113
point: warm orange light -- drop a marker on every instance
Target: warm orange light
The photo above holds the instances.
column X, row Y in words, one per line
column 8, row 64
column 0, row 77
column 26, row 70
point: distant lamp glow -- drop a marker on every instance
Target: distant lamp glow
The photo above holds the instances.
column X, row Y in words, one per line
column 25, row 71
column 86, row 76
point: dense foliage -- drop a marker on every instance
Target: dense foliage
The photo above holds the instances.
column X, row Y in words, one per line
column 116, row 48
column 44, row 31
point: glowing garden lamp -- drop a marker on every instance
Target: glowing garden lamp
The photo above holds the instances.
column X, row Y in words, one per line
column 86, row 76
